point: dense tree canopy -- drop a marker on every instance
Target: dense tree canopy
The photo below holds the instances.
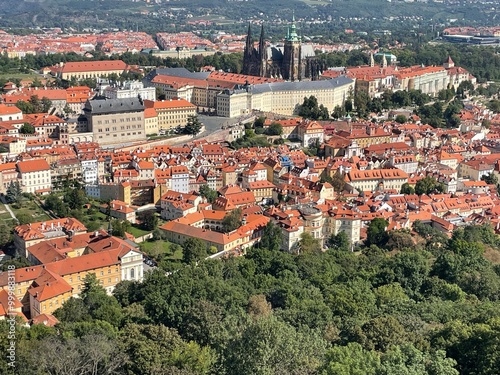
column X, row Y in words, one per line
column 428, row 185
column 311, row 110
column 232, row 220
column 430, row 307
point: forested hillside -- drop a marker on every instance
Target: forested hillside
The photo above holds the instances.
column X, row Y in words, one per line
column 405, row 305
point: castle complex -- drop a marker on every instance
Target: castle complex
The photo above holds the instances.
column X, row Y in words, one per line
column 293, row 61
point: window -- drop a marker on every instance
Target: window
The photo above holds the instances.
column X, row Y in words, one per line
column 109, row 270
column 102, row 273
column 132, row 273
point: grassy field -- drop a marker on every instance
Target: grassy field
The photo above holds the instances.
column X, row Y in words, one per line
column 31, row 209
column 19, row 76
column 5, row 217
column 137, row 232
column 162, row 249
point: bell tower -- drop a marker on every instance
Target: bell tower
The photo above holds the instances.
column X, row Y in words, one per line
column 292, row 64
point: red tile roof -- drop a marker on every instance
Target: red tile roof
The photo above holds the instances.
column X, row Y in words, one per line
column 93, row 66
column 34, row 165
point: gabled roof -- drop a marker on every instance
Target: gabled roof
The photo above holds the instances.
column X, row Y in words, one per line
column 48, row 285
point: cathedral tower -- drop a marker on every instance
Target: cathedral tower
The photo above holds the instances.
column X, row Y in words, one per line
column 292, row 64
column 248, row 52
column 262, row 53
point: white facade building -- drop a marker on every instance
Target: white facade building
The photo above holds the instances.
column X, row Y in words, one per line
column 283, row 97
column 90, row 171
column 130, row 89
column 180, row 179
column 35, row 176
column 132, row 266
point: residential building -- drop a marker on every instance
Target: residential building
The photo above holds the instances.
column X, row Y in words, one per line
column 8, row 174
column 89, row 168
column 195, row 225
column 175, row 205
column 311, row 133
column 10, row 113
column 129, row 90
column 35, row 176
column 120, row 210
column 27, row 235
column 63, row 262
column 172, row 113
column 151, row 121
column 376, row 180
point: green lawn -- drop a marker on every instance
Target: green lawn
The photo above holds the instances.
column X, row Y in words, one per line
column 31, row 209
column 5, row 217
column 97, row 220
column 162, row 249
column 177, row 255
column 19, row 76
column 137, row 232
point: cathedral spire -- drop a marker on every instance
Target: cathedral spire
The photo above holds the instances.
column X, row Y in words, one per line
column 372, row 61
column 262, row 44
column 249, row 43
column 292, row 33
column 262, row 53
column 384, row 61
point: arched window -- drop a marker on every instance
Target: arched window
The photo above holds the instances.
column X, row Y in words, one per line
column 132, row 273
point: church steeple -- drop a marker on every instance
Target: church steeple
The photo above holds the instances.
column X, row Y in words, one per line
column 249, row 43
column 249, row 55
column 263, row 54
column 262, row 44
column 384, row 61
column 372, row 61
column 292, row 31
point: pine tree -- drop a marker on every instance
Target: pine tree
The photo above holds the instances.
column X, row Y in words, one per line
column 14, row 192
column 193, row 125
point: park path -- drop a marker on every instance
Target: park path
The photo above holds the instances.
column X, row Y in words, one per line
column 8, row 208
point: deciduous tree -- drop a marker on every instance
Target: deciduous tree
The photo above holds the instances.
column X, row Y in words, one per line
column 232, row 220
column 194, row 250
column 272, row 237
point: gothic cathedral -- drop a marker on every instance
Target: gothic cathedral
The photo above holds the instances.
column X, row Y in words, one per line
column 292, row 61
